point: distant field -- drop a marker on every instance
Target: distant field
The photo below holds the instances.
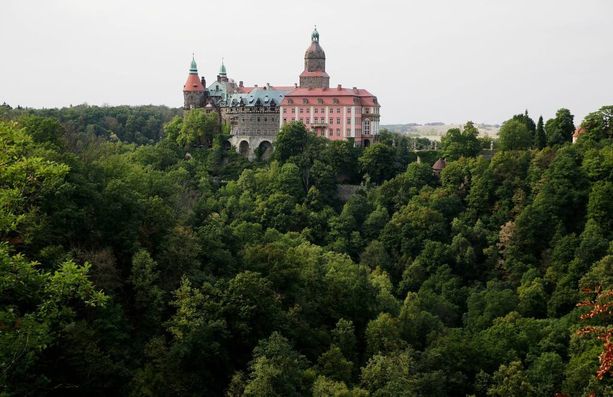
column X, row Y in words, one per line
column 435, row 131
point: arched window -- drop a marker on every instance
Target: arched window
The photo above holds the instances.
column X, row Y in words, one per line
column 366, row 127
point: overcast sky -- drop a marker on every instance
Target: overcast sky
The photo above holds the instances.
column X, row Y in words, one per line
column 443, row 60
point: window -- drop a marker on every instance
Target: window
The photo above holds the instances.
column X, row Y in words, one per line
column 316, row 110
column 330, row 132
column 305, row 101
column 348, row 120
column 301, row 110
column 284, row 110
column 331, row 120
column 366, row 127
column 338, row 110
column 338, row 132
column 290, row 101
column 293, row 110
column 338, row 120
column 335, row 101
column 366, row 109
column 320, row 101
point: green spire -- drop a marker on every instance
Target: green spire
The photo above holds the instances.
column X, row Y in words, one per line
column 193, row 67
column 222, row 69
column 315, row 35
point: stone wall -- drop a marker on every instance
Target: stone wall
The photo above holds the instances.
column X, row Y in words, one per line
column 193, row 99
column 252, row 128
column 315, row 81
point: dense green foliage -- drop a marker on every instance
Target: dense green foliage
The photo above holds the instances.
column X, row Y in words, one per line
column 179, row 268
column 140, row 125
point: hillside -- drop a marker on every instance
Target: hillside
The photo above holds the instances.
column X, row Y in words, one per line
column 434, row 131
column 175, row 267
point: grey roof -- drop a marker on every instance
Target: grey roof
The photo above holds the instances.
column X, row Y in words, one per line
column 259, row 96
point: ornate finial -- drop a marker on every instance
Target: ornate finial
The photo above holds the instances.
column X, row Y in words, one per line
column 222, row 68
column 315, row 35
column 193, row 68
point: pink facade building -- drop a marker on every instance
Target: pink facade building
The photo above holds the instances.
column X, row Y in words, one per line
column 255, row 114
column 336, row 113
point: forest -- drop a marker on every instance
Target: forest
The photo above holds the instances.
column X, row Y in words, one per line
column 139, row 256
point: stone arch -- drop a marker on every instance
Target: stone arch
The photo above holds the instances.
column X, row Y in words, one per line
column 366, row 143
column 226, row 145
column 243, row 148
column 265, row 148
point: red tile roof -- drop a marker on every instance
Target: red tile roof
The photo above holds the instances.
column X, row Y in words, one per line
column 317, row 73
column 578, row 132
column 439, row 165
column 344, row 96
column 193, row 84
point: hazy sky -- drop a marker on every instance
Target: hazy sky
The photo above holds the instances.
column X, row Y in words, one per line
column 443, row 60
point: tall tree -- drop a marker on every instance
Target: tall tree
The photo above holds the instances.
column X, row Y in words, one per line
column 560, row 129
column 461, row 143
column 514, row 135
column 540, row 139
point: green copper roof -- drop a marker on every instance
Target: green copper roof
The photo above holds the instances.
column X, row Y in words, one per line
column 222, row 69
column 315, row 35
column 193, row 67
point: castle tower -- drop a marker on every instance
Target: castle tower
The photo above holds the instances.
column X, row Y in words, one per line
column 222, row 75
column 193, row 89
column 314, row 74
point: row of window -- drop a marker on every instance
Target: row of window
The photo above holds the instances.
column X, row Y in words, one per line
column 320, row 101
column 316, row 120
column 317, row 110
column 365, row 110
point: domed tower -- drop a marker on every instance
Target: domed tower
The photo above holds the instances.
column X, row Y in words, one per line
column 193, row 89
column 314, row 74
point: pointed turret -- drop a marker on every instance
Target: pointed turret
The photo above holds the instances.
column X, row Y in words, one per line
column 222, row 75
column 193, row 90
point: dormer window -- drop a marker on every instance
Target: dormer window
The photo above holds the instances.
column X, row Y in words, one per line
column 320, row 101
column 305, row 101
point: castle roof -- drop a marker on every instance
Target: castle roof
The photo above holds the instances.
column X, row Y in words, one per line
column 317, row 73
column 439, row 164
column 332, row 96
column 578, row 132
column 258, row 96
column 315, row 51
column 193, row 83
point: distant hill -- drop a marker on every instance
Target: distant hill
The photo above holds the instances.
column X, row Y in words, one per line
column 436, row 130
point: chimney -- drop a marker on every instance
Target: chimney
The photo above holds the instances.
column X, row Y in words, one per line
column 339, row 87
column 295, row 85
column 240, row 83
column 255, row 85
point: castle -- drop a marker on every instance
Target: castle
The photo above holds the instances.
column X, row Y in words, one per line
column 256, row 114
